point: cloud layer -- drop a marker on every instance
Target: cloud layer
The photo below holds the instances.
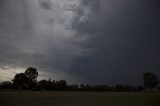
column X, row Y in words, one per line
column 92, row 41
column 124, row 36
column 38, row 33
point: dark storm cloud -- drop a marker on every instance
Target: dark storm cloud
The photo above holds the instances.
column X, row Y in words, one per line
column 125, row 38
column 46, row 4
column 30, row 36
column 96, row 41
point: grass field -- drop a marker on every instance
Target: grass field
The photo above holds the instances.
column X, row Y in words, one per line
column 78, row 99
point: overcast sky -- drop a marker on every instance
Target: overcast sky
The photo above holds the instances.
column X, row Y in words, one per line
column 82, row 41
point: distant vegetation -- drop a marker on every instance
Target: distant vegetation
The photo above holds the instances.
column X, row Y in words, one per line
column 28, row 81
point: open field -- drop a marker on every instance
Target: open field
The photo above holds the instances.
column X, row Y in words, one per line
column 78, row 99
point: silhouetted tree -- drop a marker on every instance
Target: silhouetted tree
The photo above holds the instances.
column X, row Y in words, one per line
column 47, row 85
column 6, row 85
column 102, row 88
column 54, row 86
column 43, row 85
column 51, row 85
column 73, row 87
column 31, row 74
column 20, row 81
column 150, row 80
column 26, row 80
column 61, row 84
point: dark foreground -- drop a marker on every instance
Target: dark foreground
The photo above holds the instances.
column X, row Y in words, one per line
column 78, row 99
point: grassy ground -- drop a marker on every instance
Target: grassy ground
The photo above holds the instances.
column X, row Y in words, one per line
column 78, row 99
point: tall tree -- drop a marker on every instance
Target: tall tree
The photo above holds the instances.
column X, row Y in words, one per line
column 26, row 80
column 20, row 81
column 150, row 80
column 31, row 74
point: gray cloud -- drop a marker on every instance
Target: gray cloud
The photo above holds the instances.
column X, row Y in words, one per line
column 31, row 36
column 93, row 41
column 125, row 38
column 46, row 4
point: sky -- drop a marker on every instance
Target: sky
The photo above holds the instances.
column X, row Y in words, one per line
column 82, row 41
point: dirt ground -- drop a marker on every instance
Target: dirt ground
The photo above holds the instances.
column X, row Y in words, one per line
column 79, row 99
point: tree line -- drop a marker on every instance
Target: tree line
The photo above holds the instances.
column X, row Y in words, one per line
column 28, row 81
